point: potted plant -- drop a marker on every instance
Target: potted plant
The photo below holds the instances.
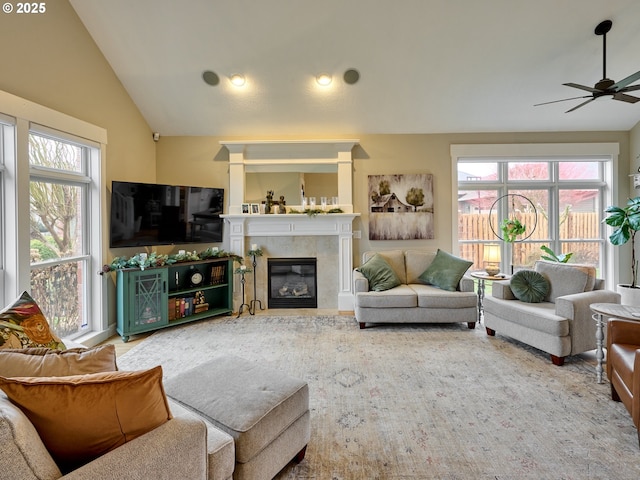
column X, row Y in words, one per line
column 626, row 223
column 552, row 256
column 511, row 228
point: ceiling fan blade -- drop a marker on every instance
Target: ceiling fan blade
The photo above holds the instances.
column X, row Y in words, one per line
column 581, row 105
column 563, row 100
column 583, row 87
column 625, row 98
column 626, row 81
column 629, row 89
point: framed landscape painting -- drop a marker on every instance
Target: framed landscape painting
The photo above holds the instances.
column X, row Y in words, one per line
column 401, row 207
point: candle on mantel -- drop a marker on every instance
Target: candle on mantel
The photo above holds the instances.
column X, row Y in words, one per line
column 243, row 267
column 215, row 249
column 254, row 246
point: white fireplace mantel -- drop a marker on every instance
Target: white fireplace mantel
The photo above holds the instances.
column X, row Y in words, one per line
column 283, row 225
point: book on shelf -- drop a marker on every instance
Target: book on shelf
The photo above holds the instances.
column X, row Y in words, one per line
column 217, row 273
column 180, row 307
column 201, row 307
column 172, row 309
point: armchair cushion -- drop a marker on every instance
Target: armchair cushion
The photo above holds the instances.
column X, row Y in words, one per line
column 379, row 273
column 445, row 271
column 529, row 286
column 46, row 362
column 566, row 278
column 93, row 413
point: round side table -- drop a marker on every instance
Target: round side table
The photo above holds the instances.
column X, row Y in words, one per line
column 609, row 310
column 483, row 277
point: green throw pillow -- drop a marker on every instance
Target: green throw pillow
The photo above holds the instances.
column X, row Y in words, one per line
column 379, row 273
column 529, row 286
column 445, row 271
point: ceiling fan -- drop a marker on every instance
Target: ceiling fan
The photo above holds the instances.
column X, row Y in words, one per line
column 606, row 86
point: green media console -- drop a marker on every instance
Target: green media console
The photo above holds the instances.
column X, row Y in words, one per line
column 161, row 297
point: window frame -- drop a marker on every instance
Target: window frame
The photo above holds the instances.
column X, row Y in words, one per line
column 606, row 153
column 33, row 118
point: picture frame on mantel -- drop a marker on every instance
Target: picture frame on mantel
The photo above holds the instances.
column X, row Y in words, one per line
column 245, row 208
column 255, row 209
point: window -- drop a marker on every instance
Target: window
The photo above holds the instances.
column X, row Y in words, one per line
column 52, row 181
column 559, row 198
column 60, row 257
column 7, row 141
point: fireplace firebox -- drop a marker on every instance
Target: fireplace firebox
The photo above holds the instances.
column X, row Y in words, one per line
column 292, row 282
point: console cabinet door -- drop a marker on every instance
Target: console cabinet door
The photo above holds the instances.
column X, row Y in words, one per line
column 142, row 300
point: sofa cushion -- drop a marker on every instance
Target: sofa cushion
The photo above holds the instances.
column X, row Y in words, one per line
column 379, row 273
column 46, row 362
column 566, row 279
column 395, row 258
column 445, row 271
column 93, row 413
column 401, row 296
column 23, row 456
column 537, row 316
column 22, row 325
column 433, row 297
column 529, row 286
column 416, row 262
column 221, row 450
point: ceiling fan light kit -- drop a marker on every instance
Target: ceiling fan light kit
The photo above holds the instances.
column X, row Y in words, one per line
column 605, row 86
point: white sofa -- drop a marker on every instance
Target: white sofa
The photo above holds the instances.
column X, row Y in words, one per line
column 413, row 301
column 562, row 323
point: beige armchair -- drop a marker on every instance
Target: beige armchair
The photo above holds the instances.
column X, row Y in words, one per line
column 623, row 365
column 560, row 324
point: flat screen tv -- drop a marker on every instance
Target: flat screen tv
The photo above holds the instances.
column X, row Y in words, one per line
column 145, row 214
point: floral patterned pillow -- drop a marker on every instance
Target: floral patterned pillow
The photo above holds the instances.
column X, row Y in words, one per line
column 22, row 325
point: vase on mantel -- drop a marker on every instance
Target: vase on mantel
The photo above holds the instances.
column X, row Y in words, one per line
column 628, row 295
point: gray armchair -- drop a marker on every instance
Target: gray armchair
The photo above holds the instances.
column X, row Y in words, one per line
column 561, row 324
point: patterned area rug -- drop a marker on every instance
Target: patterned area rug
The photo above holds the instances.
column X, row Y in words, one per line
column 421, row 401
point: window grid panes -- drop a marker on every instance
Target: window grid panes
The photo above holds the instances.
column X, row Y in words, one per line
column 567, row 196
column 59, row 256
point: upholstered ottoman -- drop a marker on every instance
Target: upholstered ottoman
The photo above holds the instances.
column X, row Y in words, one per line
column 264, row 410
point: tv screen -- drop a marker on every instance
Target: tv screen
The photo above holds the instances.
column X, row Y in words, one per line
column 144, row 214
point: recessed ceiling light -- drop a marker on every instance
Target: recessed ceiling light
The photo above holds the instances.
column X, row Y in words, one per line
column 210, row 78
column 237, row 79
column 323, row 79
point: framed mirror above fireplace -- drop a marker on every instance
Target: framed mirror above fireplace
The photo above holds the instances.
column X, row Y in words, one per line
column 297, row 159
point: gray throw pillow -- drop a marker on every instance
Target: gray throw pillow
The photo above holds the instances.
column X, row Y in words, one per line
column 529, row 286
column 379, row 273
column 445, row 271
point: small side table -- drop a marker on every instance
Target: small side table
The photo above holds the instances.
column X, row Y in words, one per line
column 609, row 310
column 483, row 277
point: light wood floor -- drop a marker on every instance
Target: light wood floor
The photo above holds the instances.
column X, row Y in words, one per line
column 122, row 347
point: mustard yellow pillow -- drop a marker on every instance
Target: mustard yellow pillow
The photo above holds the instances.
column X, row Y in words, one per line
column 22, row 325
column 82, row 417
column 46, row 362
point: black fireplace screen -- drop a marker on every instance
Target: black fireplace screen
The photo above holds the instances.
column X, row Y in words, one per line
column 292, row 283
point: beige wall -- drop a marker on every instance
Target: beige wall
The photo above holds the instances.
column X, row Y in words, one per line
column 51, row 59
column 634, row 147
column 202, row 160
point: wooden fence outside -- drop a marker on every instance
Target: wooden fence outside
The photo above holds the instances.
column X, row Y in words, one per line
column 576, row 226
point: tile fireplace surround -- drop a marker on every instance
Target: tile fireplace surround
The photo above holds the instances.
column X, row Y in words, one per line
column 328, row 237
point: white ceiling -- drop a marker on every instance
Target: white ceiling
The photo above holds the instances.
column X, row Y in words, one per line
column 426, row 66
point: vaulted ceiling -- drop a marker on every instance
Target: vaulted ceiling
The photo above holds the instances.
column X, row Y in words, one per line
column 426, row 66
